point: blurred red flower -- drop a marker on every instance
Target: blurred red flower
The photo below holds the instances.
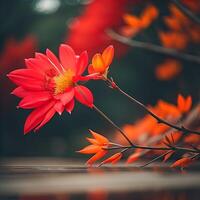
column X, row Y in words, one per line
column 48, row 85
column 14, row 52
column 88, row 30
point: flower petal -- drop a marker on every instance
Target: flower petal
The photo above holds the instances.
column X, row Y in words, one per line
column 113, row 159
column 98, row 63
column 46, row 118
column 67, row 57
column 84, row 95
column 96, row 157
column 100, row 138
column 188, row 103
column 37, row 116
column 54, row 60
column 82, row 63
column 70, row 106
column 90, row 149
column 20, row 92
column 92, row 141
column 35, row 99
column 183, row 162
column 67, row 96
column 27, row 78
column 59, row 107
column 91, row 69
column 107, row 55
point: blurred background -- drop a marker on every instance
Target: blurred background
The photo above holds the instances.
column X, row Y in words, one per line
column 29, row 26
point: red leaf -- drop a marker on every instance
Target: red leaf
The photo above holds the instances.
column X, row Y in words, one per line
column 183, row 162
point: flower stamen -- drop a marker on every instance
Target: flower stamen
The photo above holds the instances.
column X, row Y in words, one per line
column 63, row 81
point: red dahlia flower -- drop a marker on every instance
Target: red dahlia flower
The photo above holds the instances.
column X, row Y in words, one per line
column 48, row 85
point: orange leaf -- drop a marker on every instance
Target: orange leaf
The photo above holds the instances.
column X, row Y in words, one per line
column 90, row 149
column 96, row 157
column 183, row 162
column 167, row 156
column 184, row 104
column 148, row 15
column 107, row 55
column 188, row 103
column 192, row 139
column 133, row 157
column 172, row 23
column 92, row 141
column 99, row 138
column 133, row 21
column 113, row 159
column 167, row 70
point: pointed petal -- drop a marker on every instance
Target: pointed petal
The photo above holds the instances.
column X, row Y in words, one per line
column 92, row 141
column 96, row 157
column 70, row 106
column 183, row 162
column 184, row 105
column 98, row 63
column 44, row 62
column 27, row 78
column 91, row 69
column 34, row 100
column 36, row 117
column 67, row 57
column 188, row 103
column 25, row 73
column 20, row 92
column 133, row 157
column 46, row 118
column 113, row 159
column 167, row 156
column 32, row 63
column 84, row 95
column 59, row 107
column 99, row 138
column 90, row 149
column 82, row 63
column 180, row 102
column 67, row 96
column 54, row 60
column 107, row 55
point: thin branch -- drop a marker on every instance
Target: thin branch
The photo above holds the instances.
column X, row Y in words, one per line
column 160, row 120
column 191, row 117
column 113, row 124
column 107, row 118
column 174, row 148
column 186, row 11
column 155, row 159
column 153, row 47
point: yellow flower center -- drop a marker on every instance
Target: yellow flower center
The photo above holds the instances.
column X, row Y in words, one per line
column 63, row 81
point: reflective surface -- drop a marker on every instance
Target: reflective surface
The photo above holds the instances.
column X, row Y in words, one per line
column 42, row 179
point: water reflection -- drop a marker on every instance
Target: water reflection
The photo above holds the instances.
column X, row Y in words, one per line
column 71, row 182
column 99, row 194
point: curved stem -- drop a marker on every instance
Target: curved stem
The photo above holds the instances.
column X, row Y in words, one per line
column 107, row 118
column 174, row 148
column 155, row 159
column 153, row 47
column 113, row 124
column 186, row 11
column 160, row 120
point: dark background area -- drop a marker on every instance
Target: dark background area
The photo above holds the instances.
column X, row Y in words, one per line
column 65, row 134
